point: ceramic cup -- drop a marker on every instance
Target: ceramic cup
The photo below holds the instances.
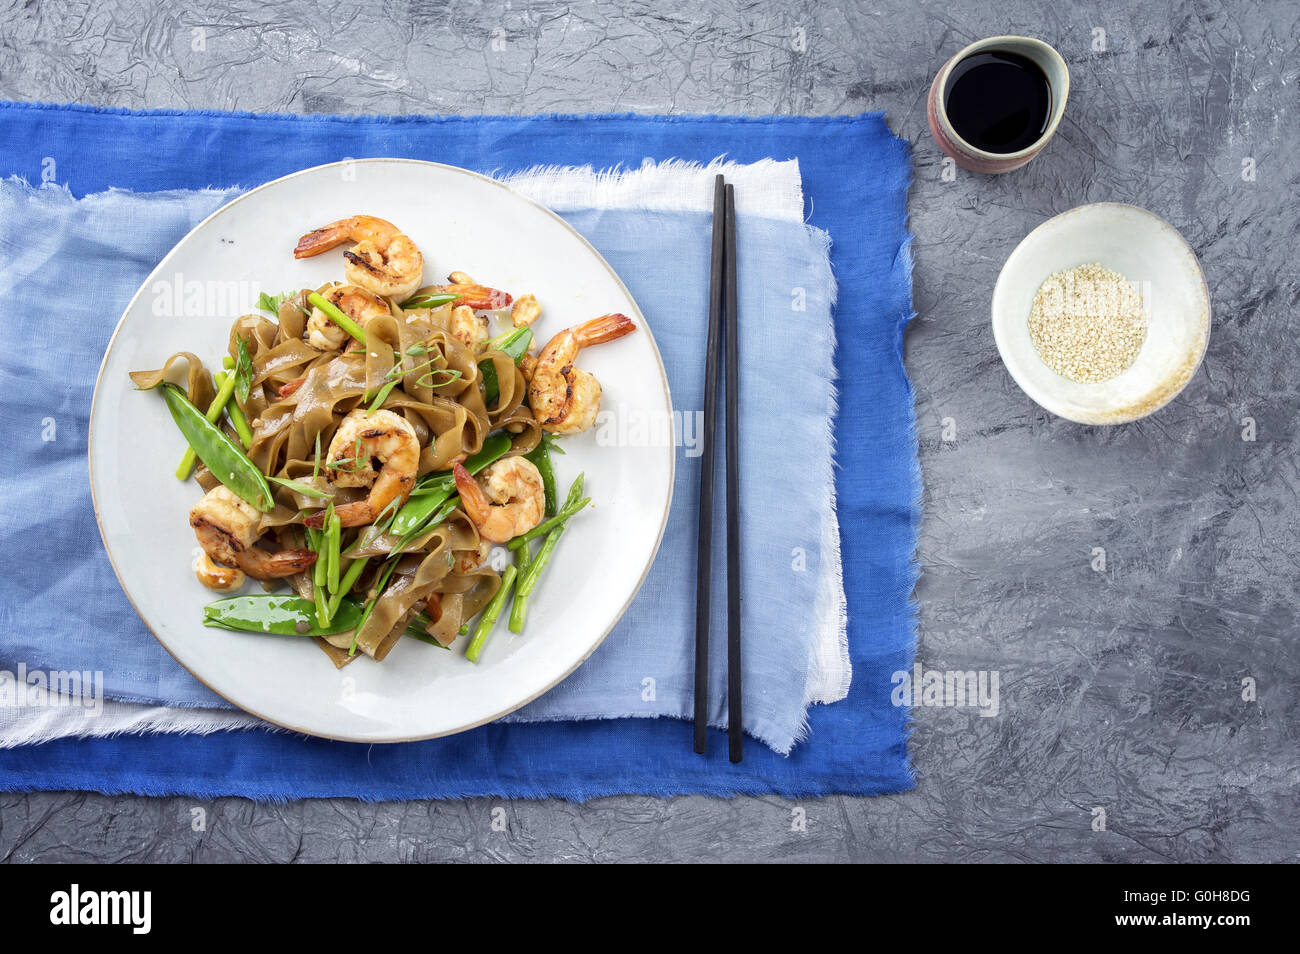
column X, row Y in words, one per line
column 978, row 160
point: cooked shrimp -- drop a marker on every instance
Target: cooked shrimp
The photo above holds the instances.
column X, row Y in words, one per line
column 508, row 499
column 228, row 528
column 363, row 440
column 468, row 328
column 355, row 302
column 564, row 398
column 383, row 261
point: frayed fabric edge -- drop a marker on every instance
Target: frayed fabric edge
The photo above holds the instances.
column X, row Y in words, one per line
column 715, row 787
column 116, row 721
column 454, row 118
column 908, row 262
column 769, row 188
column 830, row 683
column 60, row 192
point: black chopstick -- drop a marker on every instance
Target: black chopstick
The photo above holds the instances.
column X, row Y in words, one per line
column 703, row 553
column 735, row 728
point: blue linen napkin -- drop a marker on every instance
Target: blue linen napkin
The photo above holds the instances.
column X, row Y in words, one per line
column 54, row 242
column 856, row 174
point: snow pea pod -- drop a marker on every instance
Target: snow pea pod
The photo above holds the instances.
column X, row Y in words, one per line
column 437, row 489
column 224, row 391
column 227, row 461
column 280, row 614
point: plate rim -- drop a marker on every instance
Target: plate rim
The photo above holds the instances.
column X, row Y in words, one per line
column 644, row 325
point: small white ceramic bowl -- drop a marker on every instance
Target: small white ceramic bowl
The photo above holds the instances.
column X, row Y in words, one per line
column 1145, row 249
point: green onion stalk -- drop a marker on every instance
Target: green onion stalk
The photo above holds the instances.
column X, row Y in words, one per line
column 336, row 316
column 490, row 614
column 236, row 414
column 531, row 567
column 544, row 528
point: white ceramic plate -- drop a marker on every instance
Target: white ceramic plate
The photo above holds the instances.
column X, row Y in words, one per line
column 1146, row 250
column 460, row 220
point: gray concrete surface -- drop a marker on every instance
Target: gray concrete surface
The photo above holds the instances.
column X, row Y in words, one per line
column 1122, row 690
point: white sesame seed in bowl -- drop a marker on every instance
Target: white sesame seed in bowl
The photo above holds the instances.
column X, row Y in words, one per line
column 1101, row 314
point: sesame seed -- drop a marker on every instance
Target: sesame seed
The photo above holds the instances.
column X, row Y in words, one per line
column 1088, row 323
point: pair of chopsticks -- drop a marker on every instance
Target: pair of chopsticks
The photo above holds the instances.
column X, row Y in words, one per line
column 722, row 307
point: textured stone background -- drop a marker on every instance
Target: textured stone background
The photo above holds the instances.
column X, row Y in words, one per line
column 1120, row 690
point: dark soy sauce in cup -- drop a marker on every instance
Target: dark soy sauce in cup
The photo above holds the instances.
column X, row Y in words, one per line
column 998, row 101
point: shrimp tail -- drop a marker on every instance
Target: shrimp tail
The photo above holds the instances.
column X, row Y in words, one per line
column 603, row 329
column 472, row 497
column 265, row 565
column 478, row 297
column 291, row 387
column 355, row 514
column 323, row 239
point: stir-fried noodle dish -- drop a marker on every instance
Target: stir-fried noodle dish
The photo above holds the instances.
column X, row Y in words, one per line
column 368, row 442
